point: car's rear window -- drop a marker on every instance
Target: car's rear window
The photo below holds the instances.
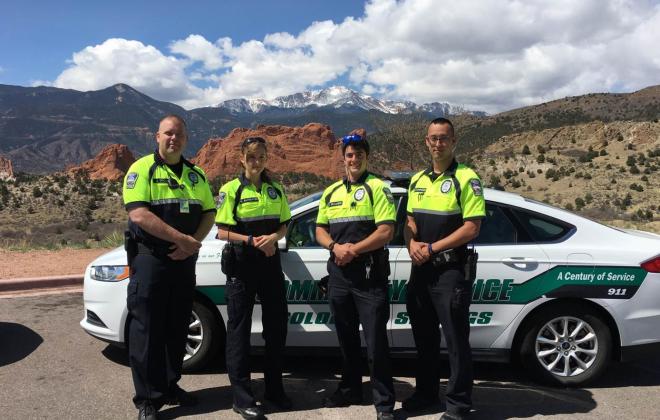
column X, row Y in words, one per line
column 542, row 228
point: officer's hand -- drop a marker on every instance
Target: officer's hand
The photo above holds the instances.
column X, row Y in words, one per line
column 419, row 252
column 177, row 254
column 344, row 253
column 266, row 244
column 185, row 247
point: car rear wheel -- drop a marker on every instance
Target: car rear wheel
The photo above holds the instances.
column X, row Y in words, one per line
column 205, row 337
column 566, row 345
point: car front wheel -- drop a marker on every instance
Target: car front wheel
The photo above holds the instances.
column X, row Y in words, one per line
column 566, row 345
column 205, row 337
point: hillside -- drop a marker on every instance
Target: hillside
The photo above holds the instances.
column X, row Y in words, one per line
column 606, row 171
column 643, row 105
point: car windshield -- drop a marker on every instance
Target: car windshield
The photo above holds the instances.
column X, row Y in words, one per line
column 305, row 200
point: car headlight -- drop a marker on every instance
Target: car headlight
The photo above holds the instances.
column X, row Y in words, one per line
column 109, row 272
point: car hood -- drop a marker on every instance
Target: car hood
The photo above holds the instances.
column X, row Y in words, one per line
column 115, row 257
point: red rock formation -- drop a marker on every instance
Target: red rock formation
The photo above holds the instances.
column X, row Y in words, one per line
column 111, row 163
column 312, row 148
column 6, row 169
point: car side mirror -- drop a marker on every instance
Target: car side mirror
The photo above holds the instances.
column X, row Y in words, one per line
column 283, row 244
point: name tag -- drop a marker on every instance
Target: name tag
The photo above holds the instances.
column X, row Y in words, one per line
column 184, row 206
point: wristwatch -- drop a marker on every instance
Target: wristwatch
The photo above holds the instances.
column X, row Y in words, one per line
column 250, row 240
column 430, row 249
column 332, row 245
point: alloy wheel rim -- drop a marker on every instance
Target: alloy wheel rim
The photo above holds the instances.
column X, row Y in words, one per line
column 566, row 346
column 195, row 336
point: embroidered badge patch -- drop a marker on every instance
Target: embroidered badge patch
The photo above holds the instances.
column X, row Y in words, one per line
column 359, row 194
column 221, row 198
column 476, row 187
column 388, row 195
column 446, row 186
column 272, row 193
column 131, row 179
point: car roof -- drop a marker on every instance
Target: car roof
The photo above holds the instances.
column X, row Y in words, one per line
column 312, row 200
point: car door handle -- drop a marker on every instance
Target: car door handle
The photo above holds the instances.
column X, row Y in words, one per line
column 520, row 262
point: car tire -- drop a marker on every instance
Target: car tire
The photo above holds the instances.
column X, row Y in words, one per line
column 205, row 338
column 567, row 345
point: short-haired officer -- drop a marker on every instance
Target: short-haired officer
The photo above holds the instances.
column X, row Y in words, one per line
column 170, row 209
column 445, row 208
column 355, row 221
column 253, row 214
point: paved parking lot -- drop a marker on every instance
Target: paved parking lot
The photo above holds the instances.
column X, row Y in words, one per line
column 50, row 368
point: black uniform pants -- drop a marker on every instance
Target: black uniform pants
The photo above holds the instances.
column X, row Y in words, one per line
column 262, row 276
column 355, row 300
column 159, row 300
column 442, row 296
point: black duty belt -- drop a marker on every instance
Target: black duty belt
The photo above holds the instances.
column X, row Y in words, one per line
column 159, row 251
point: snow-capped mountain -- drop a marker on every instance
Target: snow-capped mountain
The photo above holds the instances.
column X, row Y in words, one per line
column 337, row 97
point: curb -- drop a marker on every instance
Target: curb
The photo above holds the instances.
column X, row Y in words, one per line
column 13, row 285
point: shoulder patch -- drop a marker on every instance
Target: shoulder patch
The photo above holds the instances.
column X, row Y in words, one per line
column 272, row 193
column 475, row 184
column 131, row 179
column 221, row 198
column 388, row 195
column 192, row 176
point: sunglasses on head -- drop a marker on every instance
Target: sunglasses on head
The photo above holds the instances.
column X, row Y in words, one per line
column 251, row 140
column 351, row 138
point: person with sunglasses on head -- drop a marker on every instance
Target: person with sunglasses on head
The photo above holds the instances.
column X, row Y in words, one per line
column 253, row 214
column 445, row 209
column 170, row 210
column 355, row 222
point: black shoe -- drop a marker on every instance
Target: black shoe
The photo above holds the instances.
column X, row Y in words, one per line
column 454, row 416
column 282, row 401
column 250, row 412
column 147, row 412
column 338, row 399
column 385, row 415
column 418, row 402
column 179, row 396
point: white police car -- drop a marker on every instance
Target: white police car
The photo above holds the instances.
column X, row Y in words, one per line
column 562, row 293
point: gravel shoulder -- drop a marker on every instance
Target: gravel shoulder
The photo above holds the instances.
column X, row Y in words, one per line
column 15, row 264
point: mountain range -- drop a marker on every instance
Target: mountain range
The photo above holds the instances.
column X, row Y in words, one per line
column 338, row 97
column 45, row 129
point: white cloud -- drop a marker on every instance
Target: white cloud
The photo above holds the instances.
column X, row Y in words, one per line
column 482, row 54
column 122, row 61
column 197, row 48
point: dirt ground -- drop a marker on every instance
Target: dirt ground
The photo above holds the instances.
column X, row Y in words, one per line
column 15, row 264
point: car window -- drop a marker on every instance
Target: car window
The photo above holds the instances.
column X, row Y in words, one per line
column 496, row 228
column 302, row 232
column 401, row 202
column 305, row 200
column 541, row 228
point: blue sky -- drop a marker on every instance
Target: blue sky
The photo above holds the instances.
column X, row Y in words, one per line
column 37, row 37
column 490, row 55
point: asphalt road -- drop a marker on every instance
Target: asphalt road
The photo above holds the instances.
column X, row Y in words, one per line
column 50, row 368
